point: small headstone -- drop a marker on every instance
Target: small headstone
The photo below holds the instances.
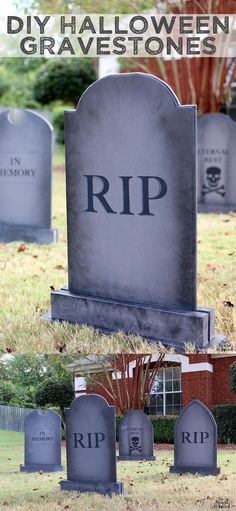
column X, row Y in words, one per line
column 131, row 202
column 136, row 437
column 91, row 447
column 216, row 163
column 42, row 442
column 25, row 178
column 195, row 448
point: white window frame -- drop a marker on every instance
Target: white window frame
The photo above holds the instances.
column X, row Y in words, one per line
column 164, row 392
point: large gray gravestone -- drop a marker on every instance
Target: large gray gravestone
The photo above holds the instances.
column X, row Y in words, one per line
column 196, row 441
column 216, row 163
column 42, row 442
column 136, row 437
column 25, row 178
column 131, row 203
column 91, row 447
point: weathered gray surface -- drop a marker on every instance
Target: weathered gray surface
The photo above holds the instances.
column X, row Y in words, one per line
column 216, row 163
column 25, row 177
column 131, row 203
column 136, row 437
column 151, row 322
column 29, row 234
column 196, row 441
column 132, row 125
column 90, row 446
column 42, row 442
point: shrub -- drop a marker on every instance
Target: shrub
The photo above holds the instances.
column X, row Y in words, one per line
column 225, row 416
column 63, row 79
column 7, row 392
column 58, row 123
column 55, row 391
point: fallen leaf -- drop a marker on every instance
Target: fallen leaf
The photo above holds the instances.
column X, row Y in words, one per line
column 224, row 477
column 227, row 303
column 59, row 267
column 22, row 247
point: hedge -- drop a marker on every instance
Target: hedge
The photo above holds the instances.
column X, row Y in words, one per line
column 163, row 428
column 225, row 416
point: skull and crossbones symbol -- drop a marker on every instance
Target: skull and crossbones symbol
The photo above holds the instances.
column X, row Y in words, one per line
column 213, row 175
column 134, row 444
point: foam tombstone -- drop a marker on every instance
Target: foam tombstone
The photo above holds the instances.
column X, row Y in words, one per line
column 195, row 447
column 91, row 447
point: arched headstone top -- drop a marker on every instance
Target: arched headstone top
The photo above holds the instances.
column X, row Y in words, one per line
column 88, row 400
column 133, row 415
column 144, row 85
column 18, row 118
column 196, row 403
column 42, row 414
column 219, row 116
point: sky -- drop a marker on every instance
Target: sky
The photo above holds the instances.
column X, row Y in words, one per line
column 7, row 8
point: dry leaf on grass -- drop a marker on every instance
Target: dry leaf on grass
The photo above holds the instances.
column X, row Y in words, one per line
column 60, row 267
column 22, row 247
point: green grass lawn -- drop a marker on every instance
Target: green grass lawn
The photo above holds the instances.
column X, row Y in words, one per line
column 148, row 485
column 26, row 277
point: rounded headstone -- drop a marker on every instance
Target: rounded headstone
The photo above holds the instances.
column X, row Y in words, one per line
column 42, row 442
column 216, row 188
column 136, row 437
column 91, row 446
column 195, row 447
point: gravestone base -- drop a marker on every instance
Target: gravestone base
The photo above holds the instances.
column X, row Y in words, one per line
column 136, row 458
column 205, row 471
column 41, row 466
column 97, row 487
column 172, row 327
column 29, row 234
column 216, row 208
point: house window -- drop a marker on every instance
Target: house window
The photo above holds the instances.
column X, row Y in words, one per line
column 166, row 394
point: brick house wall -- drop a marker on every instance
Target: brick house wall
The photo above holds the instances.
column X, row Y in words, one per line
column 221, row 392
column 204, row 377
column 212, row 388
